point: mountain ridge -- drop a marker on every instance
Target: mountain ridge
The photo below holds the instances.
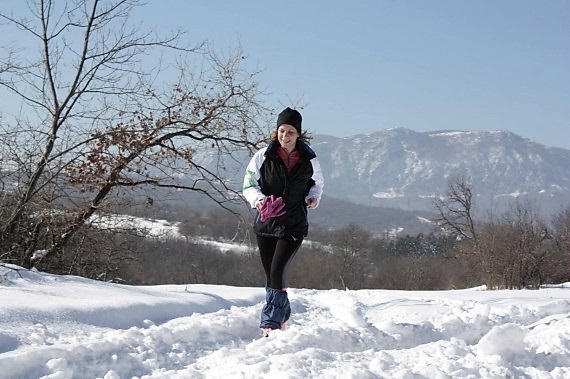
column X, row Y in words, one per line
column 399, row 163
column 371, row 175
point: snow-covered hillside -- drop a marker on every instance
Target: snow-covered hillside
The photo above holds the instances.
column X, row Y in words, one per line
column 159, row 229
column 401, row 168
column 68, row 327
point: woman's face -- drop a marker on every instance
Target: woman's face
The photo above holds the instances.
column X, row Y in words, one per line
column 287, row 136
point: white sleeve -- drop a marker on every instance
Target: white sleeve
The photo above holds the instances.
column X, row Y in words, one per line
column 316, row 191
column 251, row 189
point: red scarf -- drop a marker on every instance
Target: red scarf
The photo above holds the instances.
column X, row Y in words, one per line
column 289, row 159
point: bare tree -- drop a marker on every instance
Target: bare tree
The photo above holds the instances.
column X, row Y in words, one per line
column 528, row 252
column 96, row 116
column 559, row 263
column 352, row 244
column 562, row 230
column 455, row 209
column 456, row 216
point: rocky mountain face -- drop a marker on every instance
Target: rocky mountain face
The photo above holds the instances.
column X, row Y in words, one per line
column 406, row 169
column 370, row 177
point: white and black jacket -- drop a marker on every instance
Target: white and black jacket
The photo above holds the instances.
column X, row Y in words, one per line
column 267, row 175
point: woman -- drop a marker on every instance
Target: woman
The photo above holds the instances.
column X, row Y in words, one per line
column 281, row 181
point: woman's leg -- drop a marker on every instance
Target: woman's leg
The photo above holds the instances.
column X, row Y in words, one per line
column 266, row 251
column 285, row 250
column 276, row 254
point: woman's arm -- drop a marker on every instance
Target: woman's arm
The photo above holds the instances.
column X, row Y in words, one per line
column 251, row 189
column 316, row 191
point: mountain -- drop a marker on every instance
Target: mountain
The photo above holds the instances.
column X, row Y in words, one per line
column 406, row 169
column 387, row 180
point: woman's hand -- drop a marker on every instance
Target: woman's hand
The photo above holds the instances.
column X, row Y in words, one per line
column 259, row 204
column 311, row 203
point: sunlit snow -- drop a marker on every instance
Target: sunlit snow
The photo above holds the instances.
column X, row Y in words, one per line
column 69, row 327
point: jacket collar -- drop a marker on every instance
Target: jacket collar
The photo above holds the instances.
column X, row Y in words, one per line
column 305, row 151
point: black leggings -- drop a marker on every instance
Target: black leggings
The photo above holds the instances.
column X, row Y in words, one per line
column 276, row 254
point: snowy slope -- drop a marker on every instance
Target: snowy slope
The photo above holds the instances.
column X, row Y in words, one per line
column 68, row 327
column 401, row 168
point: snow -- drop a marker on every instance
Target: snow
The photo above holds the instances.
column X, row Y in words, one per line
column 54, row 326
column 225, row 247
column 391, row 194
column 155, row 229
column 149, row 228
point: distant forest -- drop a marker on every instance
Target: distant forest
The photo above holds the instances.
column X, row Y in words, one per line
column 515, row 249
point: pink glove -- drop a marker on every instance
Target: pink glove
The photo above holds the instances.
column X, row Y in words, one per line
column 272, row 207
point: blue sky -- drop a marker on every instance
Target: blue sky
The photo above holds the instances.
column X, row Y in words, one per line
column 362, row 66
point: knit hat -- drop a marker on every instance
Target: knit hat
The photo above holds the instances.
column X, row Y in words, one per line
column 291, row 117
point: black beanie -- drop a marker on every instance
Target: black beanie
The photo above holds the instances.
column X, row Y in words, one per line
column 291, row 117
